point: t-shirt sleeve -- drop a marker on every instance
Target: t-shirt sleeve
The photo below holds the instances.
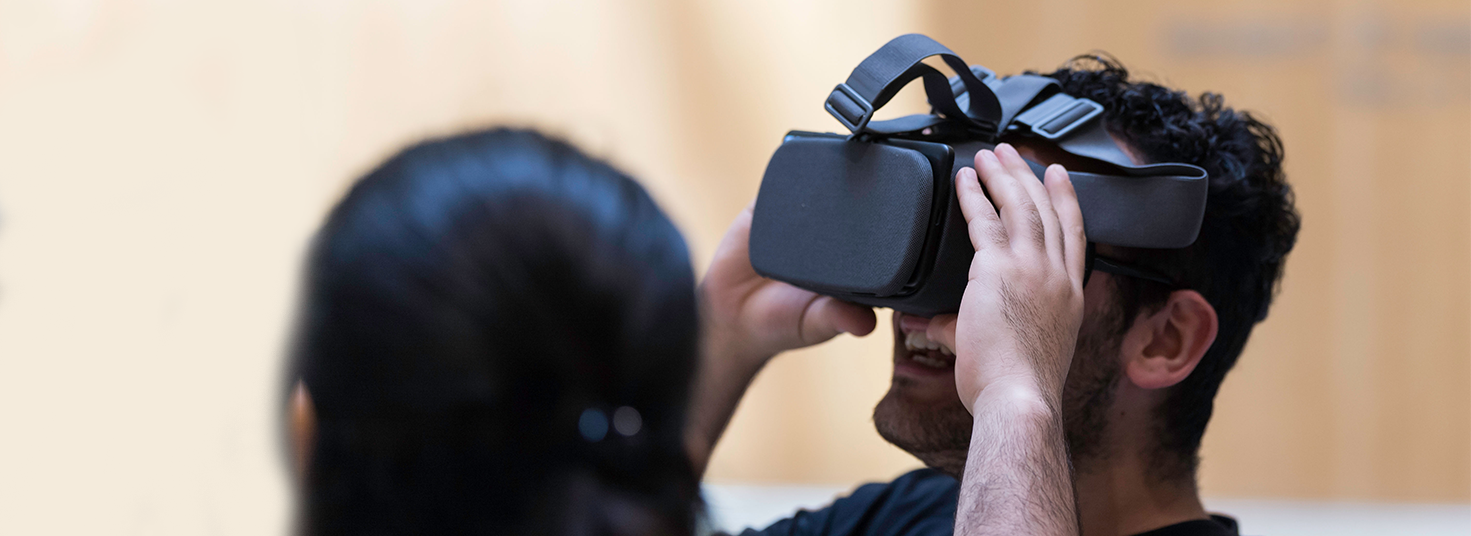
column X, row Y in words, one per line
column 920, row 503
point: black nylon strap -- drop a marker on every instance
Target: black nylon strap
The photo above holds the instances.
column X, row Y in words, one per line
column 1153, row 205
column 1148, row 204
column 1020, row 93
column 1147, row 211
column 882, row 74
column 903, row 125
column 1017, row 93
column 1093, row 141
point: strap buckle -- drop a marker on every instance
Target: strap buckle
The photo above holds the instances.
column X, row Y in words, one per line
column 849, row 108
column 1058, row 116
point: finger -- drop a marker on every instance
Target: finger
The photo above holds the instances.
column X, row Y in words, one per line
column 1018, row 212
column 732, row 260
column 942, row 330
column 1070, row 221
column 738, row 235
column 826, row 317
column 981, row 220
column 1024, row 175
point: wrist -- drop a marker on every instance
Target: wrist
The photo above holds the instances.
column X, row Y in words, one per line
column 1017, row 397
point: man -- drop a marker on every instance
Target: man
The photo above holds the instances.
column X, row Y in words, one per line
column 1147, row 362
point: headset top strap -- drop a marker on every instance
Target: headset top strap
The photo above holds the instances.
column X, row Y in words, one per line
column 1153, row 205
column 882, row 74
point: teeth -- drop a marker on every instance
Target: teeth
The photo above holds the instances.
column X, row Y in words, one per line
column 916, row 340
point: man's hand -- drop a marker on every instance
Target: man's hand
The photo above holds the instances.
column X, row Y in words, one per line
column 1023, row 306
column 754, row 318
column 1013, row 342
column 748, row 319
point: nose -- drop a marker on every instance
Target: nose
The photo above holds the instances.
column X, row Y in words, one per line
column 911, row 323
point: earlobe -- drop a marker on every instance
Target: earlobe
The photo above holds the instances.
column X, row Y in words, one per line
column 303, row 416
column 1163, row 347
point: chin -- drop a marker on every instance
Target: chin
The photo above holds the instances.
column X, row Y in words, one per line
column 922, row 414
column 936, row 432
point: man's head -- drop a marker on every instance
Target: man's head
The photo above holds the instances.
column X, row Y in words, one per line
column 1145, row 348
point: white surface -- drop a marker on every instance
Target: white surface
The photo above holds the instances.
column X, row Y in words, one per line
column 733, row 507
column 1311, row 518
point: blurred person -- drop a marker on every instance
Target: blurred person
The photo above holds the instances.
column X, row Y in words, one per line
column 1148, row 356
column 498, row 336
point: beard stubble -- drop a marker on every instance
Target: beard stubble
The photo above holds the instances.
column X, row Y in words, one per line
column 939, row 432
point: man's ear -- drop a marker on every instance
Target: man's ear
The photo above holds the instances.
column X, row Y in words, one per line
column 303, row 416
column 1163, row 347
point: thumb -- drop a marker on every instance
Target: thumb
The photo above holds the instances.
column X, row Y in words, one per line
column 826, row 317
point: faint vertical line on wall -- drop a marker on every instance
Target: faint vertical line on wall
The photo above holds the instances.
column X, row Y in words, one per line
column 1355, row 335
column 1466, row 334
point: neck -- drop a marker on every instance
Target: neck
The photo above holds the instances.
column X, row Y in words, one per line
column 1118, row 498
column 1118, row 494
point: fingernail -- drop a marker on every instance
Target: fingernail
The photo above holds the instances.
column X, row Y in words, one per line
column 1061, row 170
column 967, row 173
column 988, row 155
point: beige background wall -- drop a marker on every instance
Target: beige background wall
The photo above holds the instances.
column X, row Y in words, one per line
column 163, row 162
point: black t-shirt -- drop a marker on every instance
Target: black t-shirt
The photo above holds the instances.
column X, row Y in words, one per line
column 922, row 503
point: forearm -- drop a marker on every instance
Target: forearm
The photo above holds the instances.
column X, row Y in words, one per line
column 722, row 379
column 1018, row 477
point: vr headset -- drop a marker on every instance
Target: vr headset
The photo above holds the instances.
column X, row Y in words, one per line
column 871, row 216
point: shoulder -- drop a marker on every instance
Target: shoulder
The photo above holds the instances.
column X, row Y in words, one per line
column 922, row 487
column 919, row 503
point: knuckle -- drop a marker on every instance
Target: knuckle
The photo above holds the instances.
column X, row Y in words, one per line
column 1039, row 233
column 982, row 230
column 1034, row 220
column 996, row 234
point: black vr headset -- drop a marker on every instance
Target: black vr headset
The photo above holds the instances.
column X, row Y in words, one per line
column 871, row 217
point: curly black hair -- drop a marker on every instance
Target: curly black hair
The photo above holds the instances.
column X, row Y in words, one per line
column 1250, row 226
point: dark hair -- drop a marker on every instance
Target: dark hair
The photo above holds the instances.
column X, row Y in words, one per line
column 468, row 306
column 1250, row 226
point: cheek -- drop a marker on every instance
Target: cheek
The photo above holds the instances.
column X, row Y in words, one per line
column 1100, row 336
column 1099, row 313
column 1098, row 295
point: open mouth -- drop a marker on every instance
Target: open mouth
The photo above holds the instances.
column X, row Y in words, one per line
column 927, row 353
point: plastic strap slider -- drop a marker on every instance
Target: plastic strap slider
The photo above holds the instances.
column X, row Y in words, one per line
column 850, row 108
column 1059, row 115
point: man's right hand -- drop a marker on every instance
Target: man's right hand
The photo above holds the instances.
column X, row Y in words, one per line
column 748, row 319
column 1023, row 303
column 1013, row 341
